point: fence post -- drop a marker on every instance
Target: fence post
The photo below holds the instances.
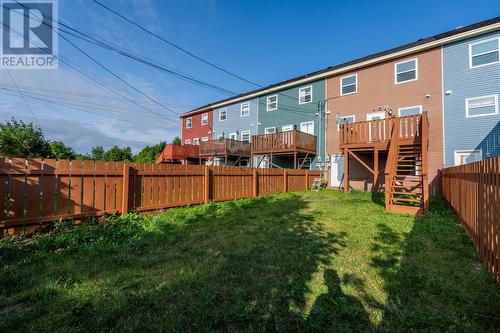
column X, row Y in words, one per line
column 207, row 185
column 285, row 181
column 125, row 188
column 307, row 179
column 255, row 187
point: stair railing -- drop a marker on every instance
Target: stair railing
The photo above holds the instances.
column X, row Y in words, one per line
column 390, row 166
column 424, row 154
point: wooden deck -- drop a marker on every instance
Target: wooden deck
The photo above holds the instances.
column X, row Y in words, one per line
column 225, row 147
column 376, row 134
column 282, row 143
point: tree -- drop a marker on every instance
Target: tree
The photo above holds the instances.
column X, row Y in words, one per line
column 118, row 154
column 97, row 153
column 149, row 154
column 61, row 152
column 18, row 139
column 176, row 141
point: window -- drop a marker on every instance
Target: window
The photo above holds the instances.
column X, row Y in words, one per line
column 196, row 141
column 347, row 120
column 406, row 71
column 245, row 109
column 484, row 53
column 233, row 136
column 349, row 85
column 467, row 156
column 204, row 119
column 307, row 127
column 270, row 130
column 223, row 114
column 481, row 106
column 187, row 141
column 410, row 111
column 245, row 136
column 272, row 103
column 205, row 138
column 286, row 128
column 189, row 122
column 220, row 136
column 305, row 95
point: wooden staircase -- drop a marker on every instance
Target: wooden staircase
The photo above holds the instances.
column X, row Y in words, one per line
column 406, row 185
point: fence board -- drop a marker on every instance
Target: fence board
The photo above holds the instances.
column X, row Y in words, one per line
column 473, row 190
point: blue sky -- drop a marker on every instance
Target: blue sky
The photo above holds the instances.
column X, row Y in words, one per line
column 263, row 41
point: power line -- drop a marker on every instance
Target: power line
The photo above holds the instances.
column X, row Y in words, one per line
column 22, row 96
column 103, row 66
column 176, row 46
column 82, row 72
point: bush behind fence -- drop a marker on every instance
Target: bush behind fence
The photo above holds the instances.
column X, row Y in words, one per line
column 34, row 191
column 473, row 190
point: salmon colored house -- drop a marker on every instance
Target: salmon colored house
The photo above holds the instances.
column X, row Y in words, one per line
column 197, row 126
column 373, row 96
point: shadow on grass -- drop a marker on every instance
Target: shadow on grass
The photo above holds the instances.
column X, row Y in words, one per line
column 238, row 266
column 432, row 277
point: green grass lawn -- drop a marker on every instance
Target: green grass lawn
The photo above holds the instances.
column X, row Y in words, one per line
column 306, row 261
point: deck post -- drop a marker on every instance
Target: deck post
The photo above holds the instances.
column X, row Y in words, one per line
column 346, row 170
column 295, row 160
column 375, row 170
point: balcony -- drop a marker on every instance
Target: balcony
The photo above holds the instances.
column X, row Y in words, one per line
column 225, row 147
column 377, row 133
column 178, row 153
column 284, row 143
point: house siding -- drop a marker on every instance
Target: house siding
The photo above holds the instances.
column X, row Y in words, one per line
column 475, row 133
column 290, row 112
column 376, row 88
column 197, row 130
column 234, row 122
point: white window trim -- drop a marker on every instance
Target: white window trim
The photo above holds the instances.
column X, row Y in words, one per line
column 396, row 71
column 187, row 141
column 457, row 153
column 368, row 115
column 241, row 109
column 303, row 88
column 244, row 133
column 202, row 117
column 220, row 114
column 480, row 42
column 268, row 128
column 480, row 115
column 308, row 122
column 233, row 134
column 190, row 122
column 356, row 84
column 351, row 115
column 410, row 107
column 205, row 138
column 287, row 126
column 267, row 103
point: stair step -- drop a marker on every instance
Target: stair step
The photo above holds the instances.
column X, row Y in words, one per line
column 405, row 200
column 407, row 193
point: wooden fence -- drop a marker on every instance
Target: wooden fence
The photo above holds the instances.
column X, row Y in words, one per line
column 36, row 191
column 473, row 190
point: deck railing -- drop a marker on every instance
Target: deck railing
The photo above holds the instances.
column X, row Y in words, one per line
column 288, row 141
column 379, row 130
column 224, row 146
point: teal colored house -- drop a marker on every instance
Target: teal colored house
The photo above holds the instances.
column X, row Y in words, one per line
column 296, row 108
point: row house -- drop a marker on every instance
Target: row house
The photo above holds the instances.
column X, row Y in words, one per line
column 386, row 122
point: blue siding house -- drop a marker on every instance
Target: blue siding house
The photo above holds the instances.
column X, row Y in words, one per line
column 471, row 87
column 236, row 121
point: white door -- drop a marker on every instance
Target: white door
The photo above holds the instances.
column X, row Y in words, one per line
column 232, row 136
column 337, row 170
column 375, row 116
column 307, row 127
